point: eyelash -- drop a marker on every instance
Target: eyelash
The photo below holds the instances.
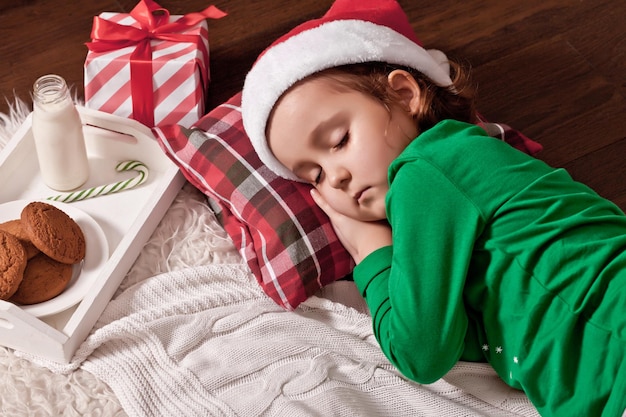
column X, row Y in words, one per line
column 343, row 141
column 341, row 144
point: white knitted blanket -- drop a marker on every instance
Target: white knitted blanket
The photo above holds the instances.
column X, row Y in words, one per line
column 190, row 333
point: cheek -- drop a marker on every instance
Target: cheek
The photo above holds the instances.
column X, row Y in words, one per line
column 337, row 199
column 402, row 131
column 376, row 163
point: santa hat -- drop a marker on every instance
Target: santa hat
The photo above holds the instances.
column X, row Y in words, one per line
column 350, row 32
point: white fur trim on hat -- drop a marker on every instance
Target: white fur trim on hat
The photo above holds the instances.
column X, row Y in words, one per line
column 331, row 44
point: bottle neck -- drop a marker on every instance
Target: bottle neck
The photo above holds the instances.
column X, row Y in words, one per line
column 50, row 90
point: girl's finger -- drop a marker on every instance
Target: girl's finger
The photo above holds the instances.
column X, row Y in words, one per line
column 319, row 200
column 317, row 197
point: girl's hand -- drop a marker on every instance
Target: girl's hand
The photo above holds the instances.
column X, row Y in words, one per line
column 360, row 238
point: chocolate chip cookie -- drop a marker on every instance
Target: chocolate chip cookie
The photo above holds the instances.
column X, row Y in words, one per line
column 15, row 228
column 44, row 278
column 53, row 232
column 12, row 264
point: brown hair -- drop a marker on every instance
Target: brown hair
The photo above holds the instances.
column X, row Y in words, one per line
column 437, row 103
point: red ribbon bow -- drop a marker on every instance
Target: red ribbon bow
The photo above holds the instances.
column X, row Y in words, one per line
column 154, row 21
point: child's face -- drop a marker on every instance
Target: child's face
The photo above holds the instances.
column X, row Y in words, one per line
column 341, row 141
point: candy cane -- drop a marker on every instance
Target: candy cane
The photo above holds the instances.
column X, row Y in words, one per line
column 108, row 188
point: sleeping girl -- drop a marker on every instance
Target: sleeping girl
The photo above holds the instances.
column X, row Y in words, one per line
column 465, row 248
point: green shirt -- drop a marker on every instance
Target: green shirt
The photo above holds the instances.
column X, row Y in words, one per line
column 496, row 256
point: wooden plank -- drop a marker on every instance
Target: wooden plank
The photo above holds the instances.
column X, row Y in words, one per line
column 601, row 38
column 41, row 37
column 567, row 106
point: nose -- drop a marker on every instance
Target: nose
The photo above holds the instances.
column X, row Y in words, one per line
column 338, row 177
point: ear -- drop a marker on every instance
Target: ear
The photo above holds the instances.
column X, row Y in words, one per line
column 407, row 88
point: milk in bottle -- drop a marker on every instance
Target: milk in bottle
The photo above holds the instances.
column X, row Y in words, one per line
column 58, row 134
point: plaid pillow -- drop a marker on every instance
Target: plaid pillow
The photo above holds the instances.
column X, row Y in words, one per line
column 286, row 239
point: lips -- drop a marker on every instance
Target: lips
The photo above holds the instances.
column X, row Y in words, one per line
column 358, row 195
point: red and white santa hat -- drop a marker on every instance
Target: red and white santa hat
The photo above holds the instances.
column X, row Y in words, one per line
column 350, row 32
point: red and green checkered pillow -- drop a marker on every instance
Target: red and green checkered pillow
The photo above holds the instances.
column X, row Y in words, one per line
column 287, row 241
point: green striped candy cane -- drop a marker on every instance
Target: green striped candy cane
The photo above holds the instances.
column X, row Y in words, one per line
column 140, row 178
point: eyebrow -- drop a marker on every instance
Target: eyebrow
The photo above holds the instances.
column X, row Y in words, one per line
column 318, row 133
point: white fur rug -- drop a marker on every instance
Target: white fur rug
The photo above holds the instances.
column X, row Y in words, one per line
column 188, row 235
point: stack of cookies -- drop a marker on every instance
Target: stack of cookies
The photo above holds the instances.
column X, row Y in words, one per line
column 37, row 253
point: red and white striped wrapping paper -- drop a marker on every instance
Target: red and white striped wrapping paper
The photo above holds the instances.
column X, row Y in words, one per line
column 180, row 72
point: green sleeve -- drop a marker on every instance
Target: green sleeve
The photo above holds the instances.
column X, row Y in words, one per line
column 415, row 289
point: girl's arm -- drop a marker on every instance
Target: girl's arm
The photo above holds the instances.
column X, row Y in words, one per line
column 414, row 288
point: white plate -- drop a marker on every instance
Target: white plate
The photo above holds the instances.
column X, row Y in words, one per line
column 85, row 273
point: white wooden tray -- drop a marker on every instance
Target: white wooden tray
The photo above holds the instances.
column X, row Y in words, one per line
column 127, row 220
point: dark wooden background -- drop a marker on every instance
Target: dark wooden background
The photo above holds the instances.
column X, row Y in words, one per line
column 555, row 69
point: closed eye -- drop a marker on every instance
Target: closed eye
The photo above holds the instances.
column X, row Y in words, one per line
column 318, row 178
column 343, row 141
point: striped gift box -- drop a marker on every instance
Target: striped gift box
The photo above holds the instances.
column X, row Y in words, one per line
column 180, row 76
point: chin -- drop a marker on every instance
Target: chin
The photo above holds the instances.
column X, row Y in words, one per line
column 371, row 217
column 378, row 213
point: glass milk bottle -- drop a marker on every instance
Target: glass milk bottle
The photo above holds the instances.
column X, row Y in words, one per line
column 58, row 134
